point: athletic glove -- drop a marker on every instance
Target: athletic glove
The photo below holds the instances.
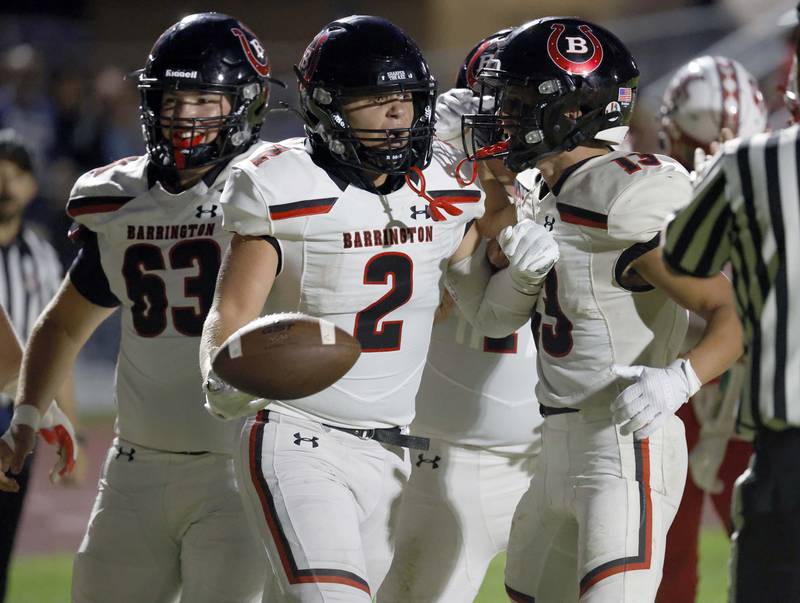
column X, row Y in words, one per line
column 644, row 407
column 57, row 430
column 226, row 402
column 531, row 251
column 450, row 106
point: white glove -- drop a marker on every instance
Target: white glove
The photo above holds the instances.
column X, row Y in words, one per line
column 450, row 106
column 57, row 430
column 644, row 407
column 226, row 402
column 531, row 251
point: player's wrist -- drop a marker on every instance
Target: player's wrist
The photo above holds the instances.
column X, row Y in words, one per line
column 693, row 383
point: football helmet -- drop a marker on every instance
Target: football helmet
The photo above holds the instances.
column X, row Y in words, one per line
column 212, row 53
column 357, row 57
column 556, row 83
column 476, row 60
column 704, row 96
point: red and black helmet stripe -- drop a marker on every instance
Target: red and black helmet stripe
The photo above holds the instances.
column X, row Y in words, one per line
column 293, row 573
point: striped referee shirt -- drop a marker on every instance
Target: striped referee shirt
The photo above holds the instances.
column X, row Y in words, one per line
column 30, row 275
column 746, row 211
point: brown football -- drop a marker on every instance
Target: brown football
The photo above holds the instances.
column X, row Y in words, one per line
column 286, row 356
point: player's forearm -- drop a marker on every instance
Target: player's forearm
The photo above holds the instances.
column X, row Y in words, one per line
column 216, row 330
column 500, row 212
column 10, row 356
column 47, row 363
column 720, row 346
column 489, row 302
column 65, row 396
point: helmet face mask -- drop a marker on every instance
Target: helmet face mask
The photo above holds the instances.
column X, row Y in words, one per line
column 338, row 70
column 546, row 101
column 209, row 56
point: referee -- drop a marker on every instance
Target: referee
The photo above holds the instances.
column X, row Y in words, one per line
column 30, row 275
column 746, row 211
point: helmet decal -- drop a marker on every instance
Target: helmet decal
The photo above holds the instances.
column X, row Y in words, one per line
column 310, row 59
column 575, row 45
column 730, row 88
column 260, row 63
column 477, row 62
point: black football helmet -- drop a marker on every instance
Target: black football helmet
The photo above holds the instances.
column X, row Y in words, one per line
column 363, row 56
column 556, row 83
column 206, row 52
column 467, row 77
column 477, row 58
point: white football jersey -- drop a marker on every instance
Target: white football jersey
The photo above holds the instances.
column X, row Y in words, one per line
column 478, row 391
column 592, row 314
column 160, row 253
column 369, row 263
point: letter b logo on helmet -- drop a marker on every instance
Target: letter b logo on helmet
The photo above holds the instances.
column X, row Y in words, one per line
column 574, row 45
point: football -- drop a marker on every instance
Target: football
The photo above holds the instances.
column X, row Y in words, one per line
column 286, row 356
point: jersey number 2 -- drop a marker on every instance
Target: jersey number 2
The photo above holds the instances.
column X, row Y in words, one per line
column 372, row 334
column 148, row 292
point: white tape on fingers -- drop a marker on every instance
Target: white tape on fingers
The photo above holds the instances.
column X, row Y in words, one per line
column 27, row 414
column 327, row 331
column 235, row 347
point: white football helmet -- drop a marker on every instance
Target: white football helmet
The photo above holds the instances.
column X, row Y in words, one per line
column 705, row 96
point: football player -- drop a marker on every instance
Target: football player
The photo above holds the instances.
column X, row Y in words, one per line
column 476, row 403
column 709, row 100
column 613, row 459
column 168, row 518
column 354, row 223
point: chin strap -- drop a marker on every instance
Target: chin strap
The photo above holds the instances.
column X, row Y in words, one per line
column 436, row 205
column 482, row 153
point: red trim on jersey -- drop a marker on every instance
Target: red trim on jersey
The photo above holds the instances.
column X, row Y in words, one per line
column 293, row 574
column 311, row 207
column 517, row 596
column 78, row 206
column 582, row 217
column 641, row 453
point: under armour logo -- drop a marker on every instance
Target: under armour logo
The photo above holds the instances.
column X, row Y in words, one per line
column 549, row 222
column 434, row 461
column 122, row 452
column 298, row 440
column 425, row 211
column 201, row 211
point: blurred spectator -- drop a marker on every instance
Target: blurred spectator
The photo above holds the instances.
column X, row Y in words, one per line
column 24, row 104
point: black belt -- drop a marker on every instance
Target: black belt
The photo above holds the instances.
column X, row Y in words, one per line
column 392, row 436
column 548, row 411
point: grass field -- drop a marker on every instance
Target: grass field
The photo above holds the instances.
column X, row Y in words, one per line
column 46, row 579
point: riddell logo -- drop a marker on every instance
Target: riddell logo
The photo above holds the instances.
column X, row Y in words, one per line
column 181, row 73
